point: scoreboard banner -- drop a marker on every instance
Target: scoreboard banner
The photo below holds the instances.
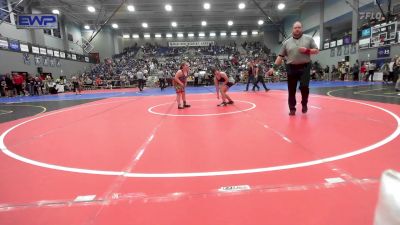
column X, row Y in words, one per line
column 190, row 43
column 383, row 34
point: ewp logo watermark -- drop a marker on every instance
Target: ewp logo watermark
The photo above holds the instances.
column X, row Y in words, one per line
column 370, row 15
column 37, row 21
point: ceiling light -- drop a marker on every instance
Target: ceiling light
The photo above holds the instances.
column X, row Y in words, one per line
column 206, row 5
column 204, row 23
column 145, row 25
column 191, row 35
column 136, row 36
column 254, row 32
column 126, row 36
column 260, row 22
column 56, row 11
column 146, row 35
column 158, row 35
column 222, row 34
column 244, row 33
column 174, row 24
column 91, row 9
column 114, row 25
column 230, row 23
column 281, row 6
column 130, row 8
column 233, row 33
column 242, row 5
column 169, row 35
column 87, row 27
column 202, row 34
column 180, row 35
column 212, row 34
column 168, row 7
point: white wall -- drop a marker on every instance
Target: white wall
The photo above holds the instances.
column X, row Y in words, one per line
column 324, row 57
column 13, row 61
column 362, row 55
column 271, row 39
column 103, row 43
column 9, row 30
column 336, row 8
column 310, row 15
column 117, row 43
column 53, row 42
column 75, row 30
column 288, row 24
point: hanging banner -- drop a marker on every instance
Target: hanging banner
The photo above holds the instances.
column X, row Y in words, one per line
column 190, row 43
column 37, row 21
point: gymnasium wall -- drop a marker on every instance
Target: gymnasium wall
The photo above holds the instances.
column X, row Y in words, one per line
column 13, row 61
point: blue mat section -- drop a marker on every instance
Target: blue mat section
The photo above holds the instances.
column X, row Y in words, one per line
column 170, row 90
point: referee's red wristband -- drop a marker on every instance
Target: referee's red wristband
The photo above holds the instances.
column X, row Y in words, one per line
column 308, row 51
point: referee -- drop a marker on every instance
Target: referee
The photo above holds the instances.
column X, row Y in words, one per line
column 297, row 51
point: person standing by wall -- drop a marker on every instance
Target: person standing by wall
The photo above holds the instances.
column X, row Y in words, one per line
column 77, row 85
column 140, row 77
column 9, row 86
column 161, row 79
column 196, row 78
column 356, row 70
column 363, row 71
column 326, row 71
column 18, row 81
column 396, row 72
column 385, row 72
column 391, row 73
column 371, row 71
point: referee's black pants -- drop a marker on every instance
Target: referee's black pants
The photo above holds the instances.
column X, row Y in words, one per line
column 298, row 73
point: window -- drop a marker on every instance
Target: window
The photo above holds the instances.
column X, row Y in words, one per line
column 57, row 32
column 47, row 31
column 70, row 37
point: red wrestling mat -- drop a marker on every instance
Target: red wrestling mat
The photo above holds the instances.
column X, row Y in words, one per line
column 140, row 160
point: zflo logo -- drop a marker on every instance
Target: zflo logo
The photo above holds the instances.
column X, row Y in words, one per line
column 370, row 15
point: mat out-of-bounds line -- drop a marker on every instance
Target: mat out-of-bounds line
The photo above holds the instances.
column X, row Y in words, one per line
column 44, row 109
column 3, row 112
column 211, row 173
column 45, row 165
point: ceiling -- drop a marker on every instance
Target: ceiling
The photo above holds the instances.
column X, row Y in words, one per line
column 187, row 13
